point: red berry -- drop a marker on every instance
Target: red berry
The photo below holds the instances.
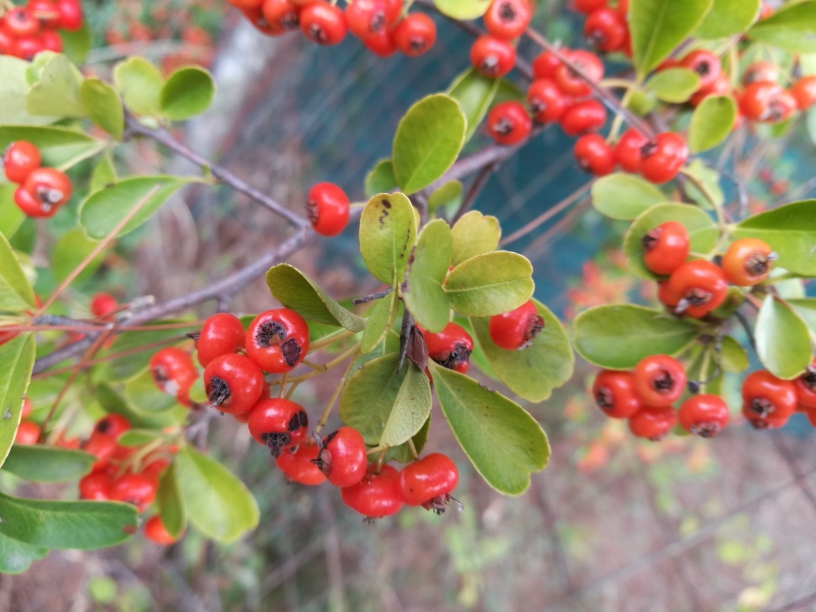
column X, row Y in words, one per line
column 587, row 6
column 246, row 4
column 508, row 123
column 415, row 34
column 135, row 489
column 806, row 387
column 546, row 101
column 606, row 30
column 221, row 334
column 704, row 415
column 367, row 17
column 376, row 495
column 665, row 247
column 299, row 465
column 281, row 13
column 761, row 72
column 70, row 14
column 594, row 155
column 95, row 486
column 659, row 380
column 701, row 286
column 278, row 423
column 155, row 468
column 256, row 18
column 516, row 329
column 50, row 41
column 450, row 348
column 628, row 150
column 589, row 66
column 758, row 422
column 545, row 64
column 766, row 396
column 428, row 482
column 705, row 64
column 720, row 87
column 662, row 157
column 492, row 57
column 766, row 102
column 804, row 91
column 343, row 457
column 50, row 188
column 582, row 117
column 652, row 423
column 26, row 409
column 102, row 446
column 113, row 425
column 46, row 12
column 322, row 23
column 614, row 393
column 28, row 47
column 507, row 19
column 20, row 160
column 747, row 261
column 328, row 208
column 28, row 433
column 156, row 531
column 381, row 43
column 277, row 340
column 172, row 368
column 233, row 383
column 20, row 23
column 103, row 304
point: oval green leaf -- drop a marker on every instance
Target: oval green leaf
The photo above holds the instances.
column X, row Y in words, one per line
column 675, row 85
column 13, row 91
column 188, row 92
column 449, row 194
column 16, row 556
column 69, row 251
column 623, row 196
column 377, row 322
column 711, row 122
column 16, row 293
column 474, row 234
column 475, row 94
column 490, row 284
column 380, row 179
column 734, row 357
column 47, row 463
column 171, row 504
column 56, row 93
column 103, row 106
column 387, row 234
column 424, row 296
column 728, row 17
column 140, row 84
column 17, row 357
column 60, row 147
column 104, row 173
column 806, row 309
column 782, row 339
column 462, row 10
column 792, row 27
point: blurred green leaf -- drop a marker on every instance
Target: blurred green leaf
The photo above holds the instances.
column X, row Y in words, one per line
column 171, row 504
column 47, row 463
column 424, row 296
column 69, row 251
column 140, row 83
column 449, row 194
column 56, row 93
column 674, row 85
column 13, row 92
column 11, row 217
column 728, row 17
column 380, row 179
column 734, row 357
column 103, row 106
column 16, row 293
column 77, row 44
column 791, row 27
column 60, row 147
column 104, row 173
column 377, row 322
column 188, row 92
column 711, row 122
column 16, row 556
column 462, row 9
column 17, row 357
column 623, row 196
column 782, row 339
column 475, row 94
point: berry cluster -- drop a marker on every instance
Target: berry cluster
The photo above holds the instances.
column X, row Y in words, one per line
column 27, row 30
column 41, row 191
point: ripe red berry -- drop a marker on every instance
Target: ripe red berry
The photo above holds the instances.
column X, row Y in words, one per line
column 376, row 495
column 415, row 34
column 587, row 6
column 450, row 348
column 70, row 14
column 653, row 423
column 705, row 64
column 102, row 446
column 575, row 83
column 155, row 468
column 766, row 396
column 381, row 43
column 95, row 486
column 28, row 433
column 26, row 409
column 614, row 393
column 582, row 117
column 328, row 208
column 256, row 18
column 299, row 465
column 21, row 159
column 659, row 380
column 701, row 286
column 747, row 261
column 156, row 531
column 761, row 72
column 367, row 17
column 594, row 155
column 46, row 12
column 429, row 482
column 806, row 386
column 758, row 422
column 281, row 13
column 221, row 334
column 507, row 19
column 278, row 423
column 665, row 247
column 704, row 415
column 135, row 489
column 492, row 57
column 113, row 425
column 30, row 205
column 662, row 157
column 233, row 383
column 277, row 340
column 246, row 4
column 804, row 91
column 606, row 30
column 508, row 123
column 766, row 103
column 343, row 457
column 720, row 87
column 50, row 188
column 172, row 369
column 545, row 64
column 103, row 304
column 20, row 23
column 627, row 151
column 546, row 101
column 516, row 329
column 322, row 23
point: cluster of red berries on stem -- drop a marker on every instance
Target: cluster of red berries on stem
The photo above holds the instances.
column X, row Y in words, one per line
column 27, row 30
column 41, row 191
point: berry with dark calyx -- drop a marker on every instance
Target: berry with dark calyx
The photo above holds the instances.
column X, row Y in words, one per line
column 156, row 531
column 662, row 157
column 760, row 72
column 515, row 330
column 376, row 495
column 705, row 64
column 20, row 23
column 20, row 160
column 594, row 155
column 508, row 19
column 46, row 12
column 278, row 423
column 700, row 285
column 653, row 423
column 27, row 434
column 720, row 87
column 277, row 340
column 582, row 117
column 173, row 370
column 28, row 47
column 135, row 489
column 113, row 425
column 627, row 151
column 281, row 13
column 95, row 486
column 606, row 30
column 545, row 64
column 665, row 247
column 761, row 423
column 221, row 334
column 546, row 101
column 766, row 396
column 766, row 103
column 380, row 44
column 299, row 465
column 103, row 304
column 804, row 92
column 575, row 84
column 256, row 18
column 806, row 387
column 492, row 57
column 428, row 482
column 659, row 380
column 30, row 205
column 367, row 17
column 322, row 23
column 415, row 34
column 450, row 348
column 508, row 123
column 233, row 383
column 50, row 188
column 70, row 14
column 747, row 261
column 704, row 415
column 328, row 208
column 342, row 457
column 614, row 393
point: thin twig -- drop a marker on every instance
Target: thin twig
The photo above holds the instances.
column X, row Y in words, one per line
column 747, row 327
column 372, row 296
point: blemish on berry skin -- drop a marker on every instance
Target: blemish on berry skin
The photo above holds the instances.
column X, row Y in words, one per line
column 291, row 352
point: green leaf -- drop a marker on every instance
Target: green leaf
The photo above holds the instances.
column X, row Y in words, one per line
column 709, row 179
column 11, row 217
column 47, row 463
column 69, row 251
column 475, row 94
column 701, row 228
column 806, row 309
column 85, row 525
column 792, row 27
column 140, row 437
column 113, row 402
column 16, row 293
column 711, row 122
column 424, row 296
column 377, row 323
column 171, row 504
column 76, row 44
column 380, row 179
column 462, row 10
column 17, row 357
column 101, row 211
column 295, row 290
column 503, row 442
column 449, row 194
column 402, row 453
column 474, row 234
column 103, row 106
column 60, row 147
column 13, row 91
column 658, row 26
column 428, row 140
column 188, row 92
column 782, row 339
column 618, row 336
column 791, row 232
column 56, row 93
column 140, row 83
column 734, row 357
column 490, row 284
column 641, row 102
column 104, row 173
column 386, row 407
column 16, row 556
column 728, row 17
column 675, row 85
column 623, row 196
column 387, row 234
column 218, row 504
column 531, row 373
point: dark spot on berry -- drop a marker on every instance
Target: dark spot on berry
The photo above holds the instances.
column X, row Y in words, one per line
column 269, row 333
column 809, row 378
column 604, row 399
column 159, row 375
column 507, row 12
column 649, row 240
column 103, row 426
column 218, row 391
column 194, row 337
column 663, row 382
column 289, row 21
column 291, row 352
column 650, row 148
column 761, row 406
column 297, row 421
column 304, row 418
column 459, row 354
column 275, row 442
column 327, row 440
column 534, row 327
column 706, row 430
